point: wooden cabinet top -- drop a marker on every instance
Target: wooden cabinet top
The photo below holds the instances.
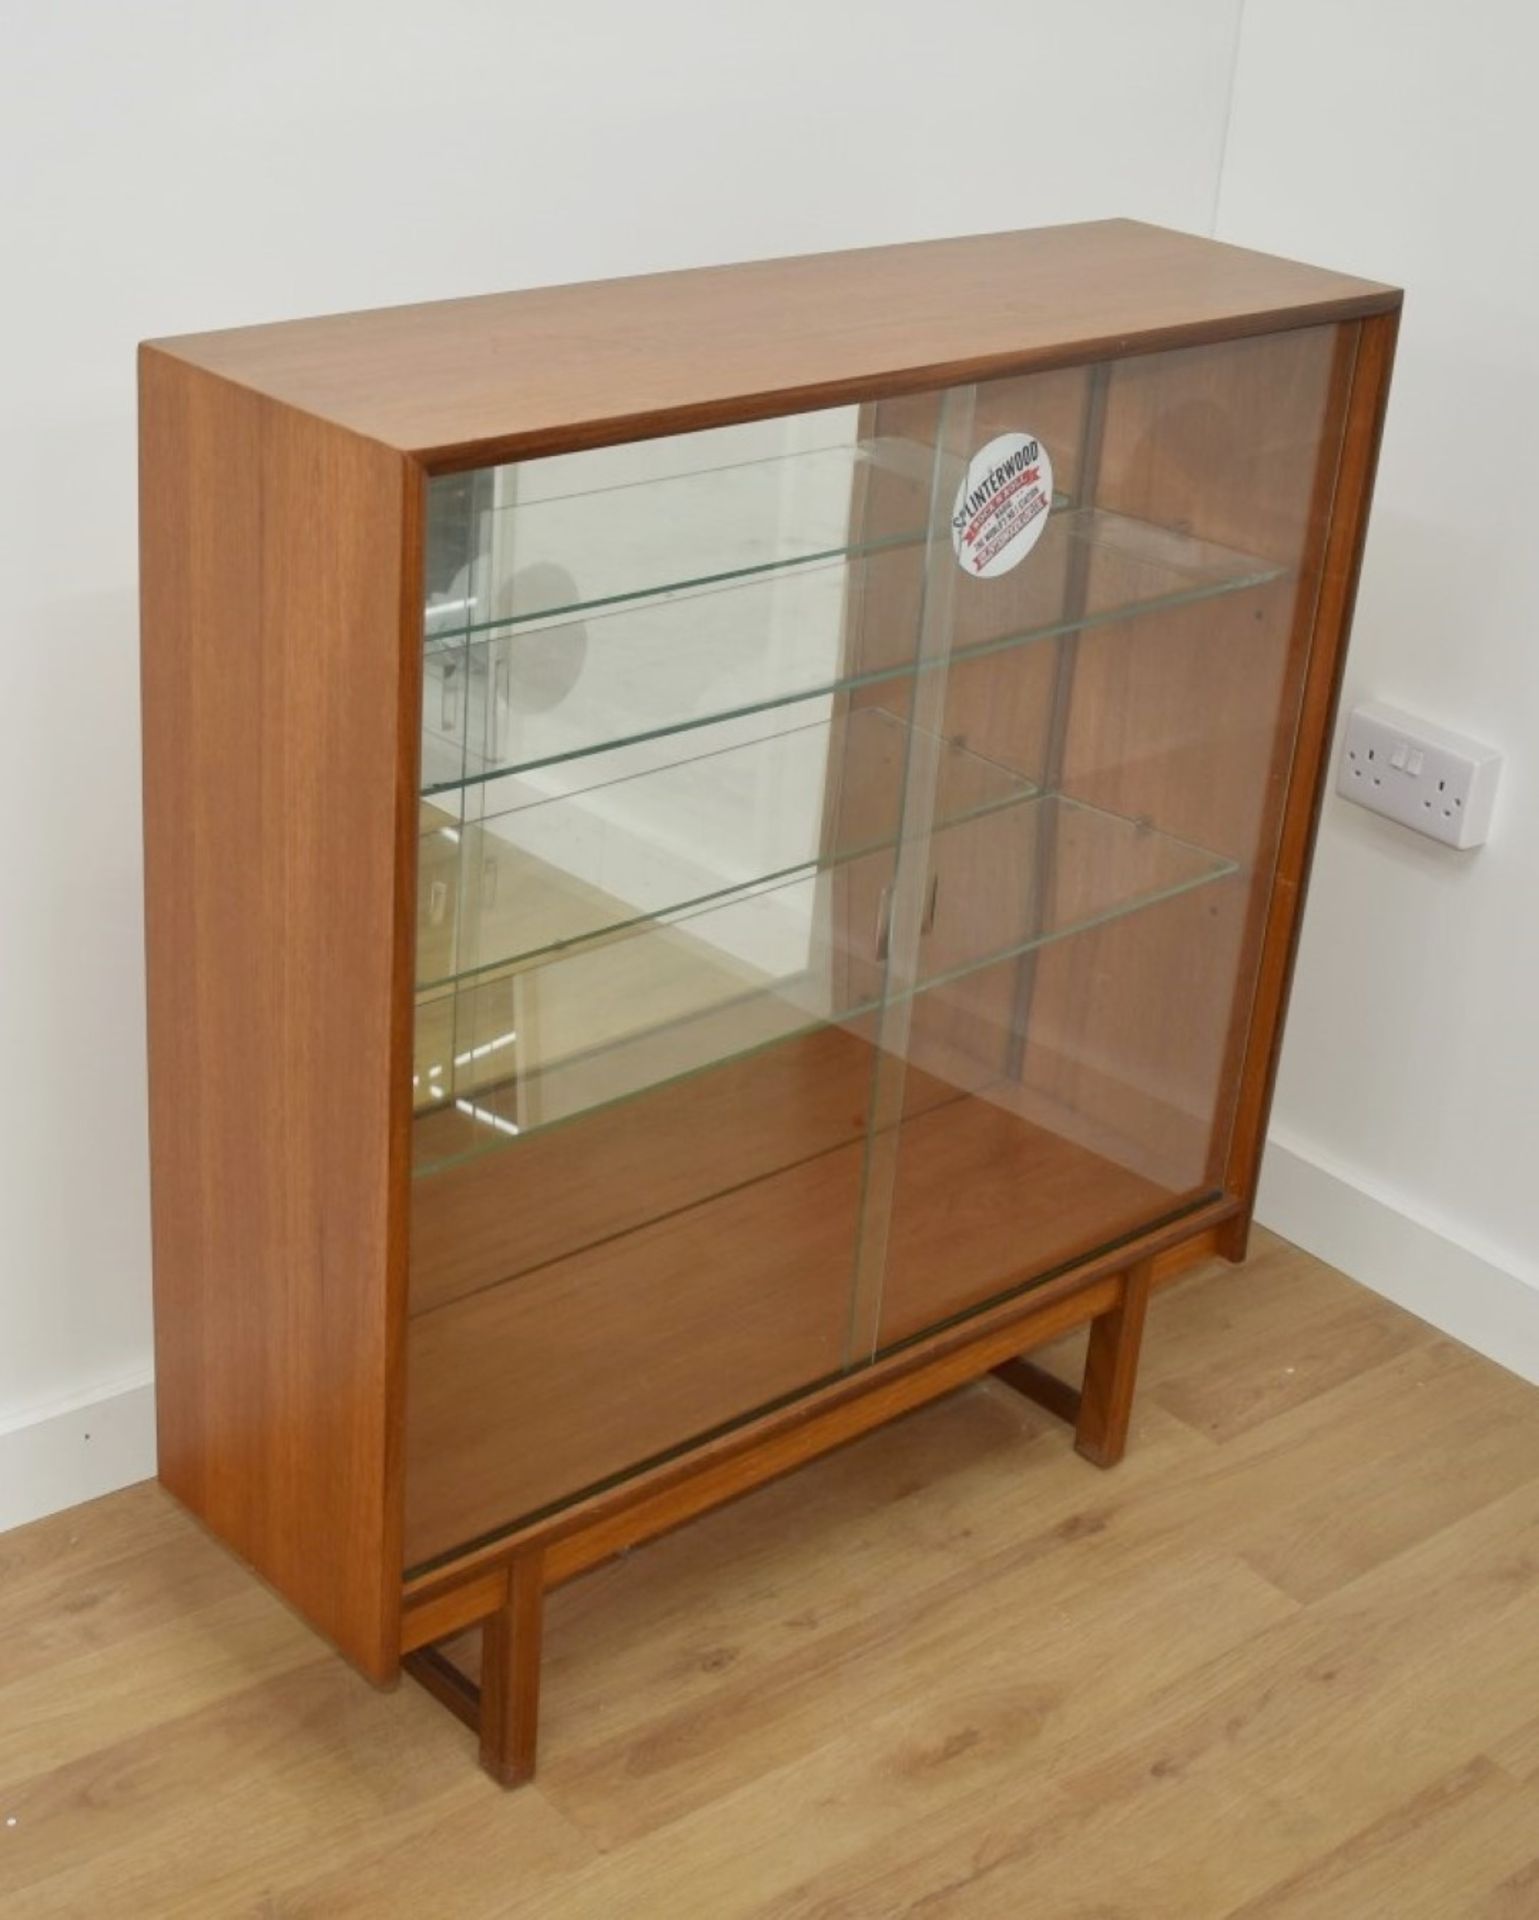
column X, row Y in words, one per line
column 459, row 383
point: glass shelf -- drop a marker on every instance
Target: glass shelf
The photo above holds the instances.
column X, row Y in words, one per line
column 587, row 1028
column 635, row 834
column 736, row 521
column 528, row 695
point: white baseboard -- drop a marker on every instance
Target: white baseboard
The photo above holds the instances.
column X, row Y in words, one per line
column 94, row 1443
column 1484, row 1297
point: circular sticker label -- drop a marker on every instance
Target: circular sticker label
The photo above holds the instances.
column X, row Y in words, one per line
column 1002, row 505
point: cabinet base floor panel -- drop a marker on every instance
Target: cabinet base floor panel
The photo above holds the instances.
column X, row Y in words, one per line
column 530, row 1391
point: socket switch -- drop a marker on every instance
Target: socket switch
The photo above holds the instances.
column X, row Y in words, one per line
column 1438, row 783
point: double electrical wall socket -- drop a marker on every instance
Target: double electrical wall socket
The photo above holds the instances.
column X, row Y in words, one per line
column 1433, row 781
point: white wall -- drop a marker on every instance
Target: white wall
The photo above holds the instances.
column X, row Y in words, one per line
column 177, row 166
column 1397, row 138
column 172, row 166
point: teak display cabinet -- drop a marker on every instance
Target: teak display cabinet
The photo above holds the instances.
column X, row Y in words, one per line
column 723, row 856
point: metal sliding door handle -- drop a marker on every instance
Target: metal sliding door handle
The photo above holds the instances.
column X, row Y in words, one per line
column 884, row 921
column 884, row 914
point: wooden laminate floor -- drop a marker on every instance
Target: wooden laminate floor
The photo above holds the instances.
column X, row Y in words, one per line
column 1282, row 1662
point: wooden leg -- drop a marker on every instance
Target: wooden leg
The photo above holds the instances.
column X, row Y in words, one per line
column 1037, row 1384
column 448, row 1686
column 1234, row 1237
column 1111, row 1369
column 510, row 1676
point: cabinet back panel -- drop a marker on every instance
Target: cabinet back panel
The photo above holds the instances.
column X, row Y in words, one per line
column 498, row 1215
column 1187, row 718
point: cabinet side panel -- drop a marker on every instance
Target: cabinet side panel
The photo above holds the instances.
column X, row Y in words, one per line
column 1348, row 532
column 275, row 553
